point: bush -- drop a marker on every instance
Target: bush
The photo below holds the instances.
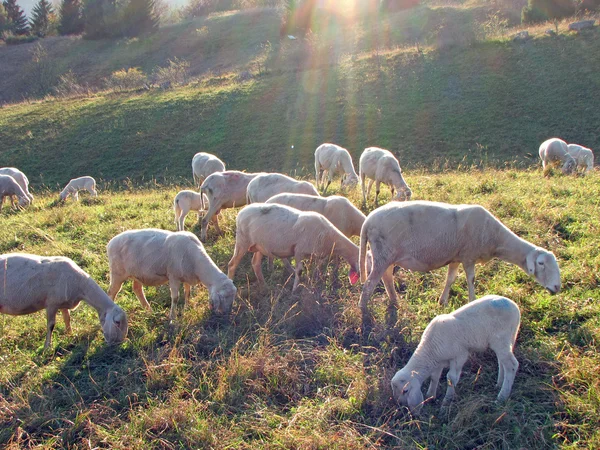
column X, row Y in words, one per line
column 69, row 87
column 542, row 10
column 126, row 79
column 12, row 39
column 176, row 72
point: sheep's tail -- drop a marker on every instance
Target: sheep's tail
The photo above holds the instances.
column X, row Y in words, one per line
column 248, row 199
column 202, row 198
column 176, row 209
column 362, row 255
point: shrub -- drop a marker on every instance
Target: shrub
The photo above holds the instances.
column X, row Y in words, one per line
column 176, row 72
column 542, row 10
column 12, row 39
column 126, row 79
column 69, row 87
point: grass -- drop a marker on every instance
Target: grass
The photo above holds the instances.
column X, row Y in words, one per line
column 294, row 371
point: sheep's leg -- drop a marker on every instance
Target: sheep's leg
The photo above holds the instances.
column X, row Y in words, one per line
column 388, row 281
column 377, row 190
column 329, row 180
column 298, row 271
column 376, row 273
column 212, row 211
column 453, row 377
column 510, row 365
column 436, row 373
column 470, row 272
column 138, row 290
column 317, row 172
column 369, row 187
column 174, row 288
column 187, row 291
column 94, row 192
column 12, row 201
column 500, row 373
column 67, row 319
column 76, row 196
column 238, row 254
column 181, row 223
column 256, row 265
column 115, row 286
column 51, row 321
column 362, row 185
column 215, row 221
column 450, row 278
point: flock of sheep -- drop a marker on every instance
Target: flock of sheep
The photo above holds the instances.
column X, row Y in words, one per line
column 288, row 218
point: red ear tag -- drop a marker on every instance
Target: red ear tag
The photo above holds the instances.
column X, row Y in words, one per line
column 353, row 275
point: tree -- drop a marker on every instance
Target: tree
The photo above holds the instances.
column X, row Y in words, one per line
column 542, row 10
column 71, row 17
column 139, row 18
column 3, row 19
column 40, row 18
column 100, row 19
column 16, row 17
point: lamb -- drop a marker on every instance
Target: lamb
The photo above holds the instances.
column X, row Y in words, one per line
column 337, row 209
column 381, row 166
column 10, row 187
column 555, row 152
column 266, row 185
column 489, row 322
column 184, row 202
column 583, row 156
column 32, row 283
column 204, row 164
column 423, row 236
column 153, row 257
column 223, row 190
column 332, row 158
column 20, row 178
column 79, row 184
column 277, row 230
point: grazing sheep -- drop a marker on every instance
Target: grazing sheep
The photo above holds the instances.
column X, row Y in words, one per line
column 78, row 184
column 184, row 202
column 338, row 210
column 266, row 185
column 153, row 257
column 223, row 190
column 423, row 236
column 555, row 152
column 204, row 164
column 20, row 178
column 489, row 322
column 381, row 166
column 583, row 156
column 10, row 187
column 32, row 283
column 332, row 159
column 280, row 231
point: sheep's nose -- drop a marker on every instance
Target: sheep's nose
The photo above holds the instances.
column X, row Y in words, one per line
column 554, row 289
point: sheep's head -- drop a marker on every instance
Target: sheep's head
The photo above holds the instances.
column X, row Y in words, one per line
column 406, row 389
column 24, row 201
column 403, row 194
column 350, row 180
column 63, row 195
column 543, row 266
column 569, row 166
column 221, row 297
column 114, row 325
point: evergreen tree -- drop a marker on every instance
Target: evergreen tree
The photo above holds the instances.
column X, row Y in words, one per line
column 3, row 19
column 40, row 18
column 71, row 17
column 100, row 19
column 16, row 17
column 139, row 18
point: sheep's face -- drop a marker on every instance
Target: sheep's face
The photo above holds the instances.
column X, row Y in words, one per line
column 24, row 201
column 569, row 167
column 406, row 389
column 114, row 325
column 63, row 196
column 543, row 266
column 350, row 181
column 403, row 195
column 221, row 298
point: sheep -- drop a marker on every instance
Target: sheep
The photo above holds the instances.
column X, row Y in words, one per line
column 154, row 257
column 76, row 185
column 184, row 202
column 204, row 164
column 223, row 190
column 337, row 209
column 423, row 236
column 583, row 156
column 10, row 187
column 20, row 178
column 332, row 158
column 554, row 151
column 31, row 283
column 266, row 185
column 489, row 322
column 278, row 230
column 381, row 166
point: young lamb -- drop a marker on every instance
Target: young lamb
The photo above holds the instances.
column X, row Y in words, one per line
column 423, row 236
column 20, row 178
column 8, row 188
column 583, row 156
column 223, row 190
column 184, row 202
column 32, row 283
column 153, row 257
column 555, row 152
column 337, row 209
column 280, row 231
column 489, row 322
column 204, row 164
column 333, row 159
column 381, row 166
column 79, row 184
column 266, row 185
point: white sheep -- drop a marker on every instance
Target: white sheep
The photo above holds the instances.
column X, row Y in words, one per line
column 423, row 236
column 266, row 185
column 280, row 231
column 489, row 322
column 381, row 166
column 333, row 159
column 31, row 283
column 154, row 257
column 223, row 190
column 583, row 156
column 78, row 184
column 184, row 202
column 20, row 178
column 553, row 152
column 9, row 188
column 205, row 164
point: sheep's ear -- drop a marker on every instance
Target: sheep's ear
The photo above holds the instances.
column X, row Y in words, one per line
column 415, row 398
column 102, row 318
column 530, row 261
